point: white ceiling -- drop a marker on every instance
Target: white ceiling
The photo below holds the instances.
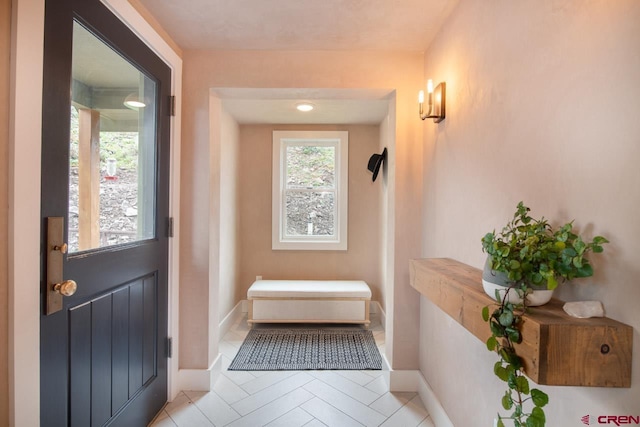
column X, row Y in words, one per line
column 406, row 25
column 97, row 65
column 396, row 25
column 331, row 106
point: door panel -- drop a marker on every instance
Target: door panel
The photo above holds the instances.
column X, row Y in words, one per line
column 103, row 356
column 112, row 350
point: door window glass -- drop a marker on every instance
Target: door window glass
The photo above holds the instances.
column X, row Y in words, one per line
column 112, row 148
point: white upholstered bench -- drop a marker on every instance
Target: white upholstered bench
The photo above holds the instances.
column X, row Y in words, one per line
column 309, row 301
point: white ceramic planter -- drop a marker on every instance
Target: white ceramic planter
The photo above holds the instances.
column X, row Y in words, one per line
column 497, row 280
column 534, row 299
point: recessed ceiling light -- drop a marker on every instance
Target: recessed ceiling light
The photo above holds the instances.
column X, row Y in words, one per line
column 304, row 106
column 132, row 101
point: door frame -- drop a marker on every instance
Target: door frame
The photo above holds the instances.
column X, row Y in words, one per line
column 25, row 139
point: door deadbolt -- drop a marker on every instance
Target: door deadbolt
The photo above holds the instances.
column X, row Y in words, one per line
column 56, row 248
column 61, row 248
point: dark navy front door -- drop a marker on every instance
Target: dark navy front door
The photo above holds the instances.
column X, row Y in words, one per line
column 105, row 163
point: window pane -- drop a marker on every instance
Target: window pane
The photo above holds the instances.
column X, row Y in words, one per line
column 310, row 213
column 112, row 148
column 310, row 166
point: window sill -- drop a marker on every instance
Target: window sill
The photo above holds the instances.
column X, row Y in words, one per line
column 308, row 246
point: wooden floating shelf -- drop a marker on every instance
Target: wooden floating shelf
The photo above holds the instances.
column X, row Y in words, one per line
column 557, row 349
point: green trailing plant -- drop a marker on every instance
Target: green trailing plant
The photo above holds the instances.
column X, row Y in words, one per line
column 532, row 254
column 505, row 323
column 529, row 250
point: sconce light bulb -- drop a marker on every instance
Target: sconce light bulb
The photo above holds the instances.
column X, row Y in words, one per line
column 435, row 108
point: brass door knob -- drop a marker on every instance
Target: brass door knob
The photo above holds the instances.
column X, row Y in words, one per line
column 66, row 288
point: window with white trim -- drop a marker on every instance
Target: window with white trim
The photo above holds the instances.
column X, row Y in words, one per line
column 310, row 190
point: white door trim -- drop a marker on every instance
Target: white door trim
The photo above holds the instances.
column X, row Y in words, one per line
column 25, row 122
column 25, row 138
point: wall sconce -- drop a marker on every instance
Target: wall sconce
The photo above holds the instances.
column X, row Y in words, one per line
column 435, row 102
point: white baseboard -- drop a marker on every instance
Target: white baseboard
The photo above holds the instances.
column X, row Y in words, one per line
column 413, row 381
column 232, row 317
column 404, row 380
column 203, row 379
column 386, row 371
column 200, row 379
column 375, row 307
column 431, row 402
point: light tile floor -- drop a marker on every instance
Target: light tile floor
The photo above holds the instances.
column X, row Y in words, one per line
column 294, row 398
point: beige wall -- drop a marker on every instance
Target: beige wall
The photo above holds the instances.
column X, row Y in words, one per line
column 274, row 69
column 542, row 106
column 362, row 259
column 385, row 197
column 231, row 168
column 201, row 228
column 5, row 35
